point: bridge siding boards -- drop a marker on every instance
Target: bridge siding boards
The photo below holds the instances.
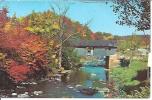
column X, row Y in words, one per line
column 112, row 47
column 93, row 43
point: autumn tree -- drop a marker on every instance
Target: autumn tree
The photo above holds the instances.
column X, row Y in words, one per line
column 63, row 35
column 24, row 53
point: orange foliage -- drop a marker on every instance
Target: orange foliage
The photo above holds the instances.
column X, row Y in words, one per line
column 93, row 36
column 18, row 72
column 32, row 50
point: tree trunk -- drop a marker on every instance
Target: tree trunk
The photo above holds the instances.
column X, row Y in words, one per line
column 60, row 49
column 60, row 56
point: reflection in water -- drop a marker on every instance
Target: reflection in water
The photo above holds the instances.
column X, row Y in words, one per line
column 85, row 77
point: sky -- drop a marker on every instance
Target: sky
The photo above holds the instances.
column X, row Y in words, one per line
column 99, row 14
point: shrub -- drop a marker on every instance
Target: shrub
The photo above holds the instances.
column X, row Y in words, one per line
column 144, row 92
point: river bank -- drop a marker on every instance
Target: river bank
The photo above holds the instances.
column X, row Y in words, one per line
column 132, row 81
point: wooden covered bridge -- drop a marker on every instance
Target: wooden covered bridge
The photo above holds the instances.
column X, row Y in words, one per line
column 93, row 43
column 90, row 46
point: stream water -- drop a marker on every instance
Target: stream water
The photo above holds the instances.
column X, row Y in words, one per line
column 85, row 77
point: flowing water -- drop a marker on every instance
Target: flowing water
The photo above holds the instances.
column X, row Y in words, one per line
column 85, row 77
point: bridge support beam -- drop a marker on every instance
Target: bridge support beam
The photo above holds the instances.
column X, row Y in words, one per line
column 107, row 67
column 107, row 62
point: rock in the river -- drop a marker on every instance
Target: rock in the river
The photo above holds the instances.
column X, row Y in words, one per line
column 59, row 80
column 103, row 90
column 106, row 90
column 69, row 86
column 33, row 83
column 24, row 83
column 25, row 95
column 37, row 92
column 29, row 83
column 14, row 94
column 93, row 74
column 58, row 75
column 88, row 91
column 20, row 87
column 78, row 85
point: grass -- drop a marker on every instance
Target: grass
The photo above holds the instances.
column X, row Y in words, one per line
column 124, row 76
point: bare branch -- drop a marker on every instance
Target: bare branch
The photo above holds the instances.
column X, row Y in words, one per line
column 69, row 37
column 52, row 8
column 88, row 22
column 65, row 11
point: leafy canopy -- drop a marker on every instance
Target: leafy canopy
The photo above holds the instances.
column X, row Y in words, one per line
column 133, row 13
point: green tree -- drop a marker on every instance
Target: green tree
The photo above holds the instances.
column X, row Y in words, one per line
column 44, row 24
column 133, row 13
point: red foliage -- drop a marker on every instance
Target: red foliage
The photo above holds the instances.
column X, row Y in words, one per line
column 93, row 36
column 31, row 49
column 68, row 25
column 13, row 39
column 18, row 72
column 81, row 30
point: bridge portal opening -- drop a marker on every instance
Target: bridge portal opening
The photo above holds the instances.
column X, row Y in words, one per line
column 89, row 51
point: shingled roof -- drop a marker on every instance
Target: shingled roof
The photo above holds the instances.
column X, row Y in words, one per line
column 93, row 43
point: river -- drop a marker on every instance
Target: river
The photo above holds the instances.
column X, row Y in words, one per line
column 86, row 77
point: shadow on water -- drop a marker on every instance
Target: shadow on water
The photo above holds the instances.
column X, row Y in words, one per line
column 85, row 77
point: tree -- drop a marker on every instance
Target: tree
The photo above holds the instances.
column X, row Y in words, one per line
column 3, row 17
column 62, row 34
column 54, row 25
column 133, row 13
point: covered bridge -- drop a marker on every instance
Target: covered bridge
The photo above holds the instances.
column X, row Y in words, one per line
column 93, row 43
column 93, row 47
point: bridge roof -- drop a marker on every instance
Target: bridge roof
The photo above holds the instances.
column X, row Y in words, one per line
column 93, row 43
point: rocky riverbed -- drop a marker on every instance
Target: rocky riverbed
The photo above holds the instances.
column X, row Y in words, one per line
column 87, row 82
